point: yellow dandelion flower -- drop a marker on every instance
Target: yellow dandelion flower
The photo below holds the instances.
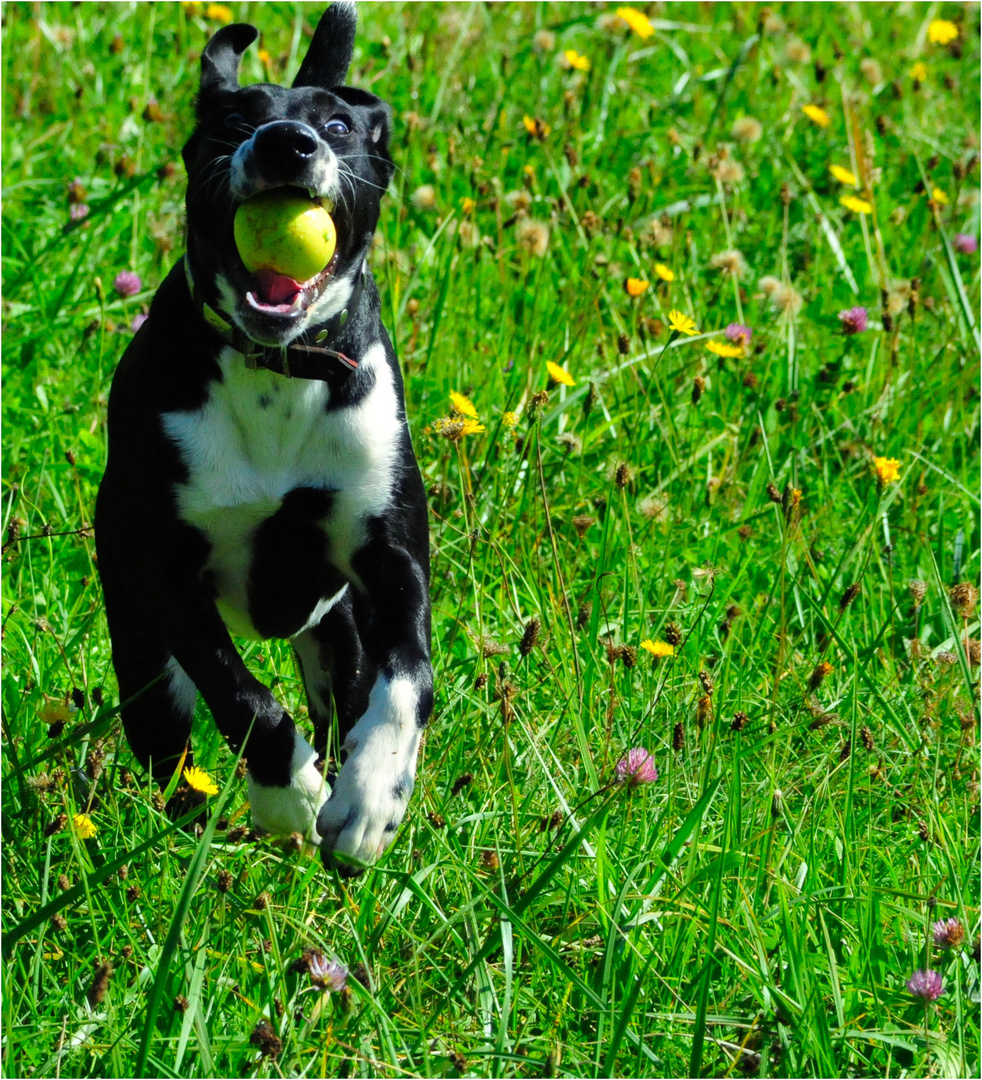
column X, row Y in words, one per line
column 939, row 196
column 85, row 827
column 192, row 8
column 721, row 348
column 576, row 60
column 537, row 128
column 856, row 204
column 219, row 13
column 658, row 648
column 941, row 31
column 919, row 72
column 55, row 712
column 682, row 323
column 559, row 375
column 887, row 469
column 635, row 286
column 467, row 204
column 817, row 114
column 200, row 781
column 264, row 57
column 663, row 272
column 529, row 171
column 637, row 21
column 454, row 428
column 463, row 405
column 844, row 176
column 509, row 419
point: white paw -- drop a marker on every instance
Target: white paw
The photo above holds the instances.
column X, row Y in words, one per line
column 294, row 808
column 371, row 793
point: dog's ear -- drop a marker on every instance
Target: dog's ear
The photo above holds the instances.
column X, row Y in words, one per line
column 220, row 60
column 329, row 56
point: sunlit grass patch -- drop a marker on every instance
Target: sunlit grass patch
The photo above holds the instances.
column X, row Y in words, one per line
column 722, row 529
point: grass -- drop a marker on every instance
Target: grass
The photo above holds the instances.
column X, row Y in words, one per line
column 758, row 909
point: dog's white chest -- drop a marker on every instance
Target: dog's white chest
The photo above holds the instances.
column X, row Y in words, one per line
column 260, row 436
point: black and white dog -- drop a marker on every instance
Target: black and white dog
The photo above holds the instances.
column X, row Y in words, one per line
column 261, row 479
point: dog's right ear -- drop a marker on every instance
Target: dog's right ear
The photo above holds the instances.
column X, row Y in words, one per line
column 329, row 56
column 220, row 60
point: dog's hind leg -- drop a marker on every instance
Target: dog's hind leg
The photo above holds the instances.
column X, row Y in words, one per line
column 157, row 696
column 337, row 674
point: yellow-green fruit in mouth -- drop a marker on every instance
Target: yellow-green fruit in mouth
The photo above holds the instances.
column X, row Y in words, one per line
column 284, row 231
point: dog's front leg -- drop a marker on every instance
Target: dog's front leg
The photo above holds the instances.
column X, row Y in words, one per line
column 372, row 789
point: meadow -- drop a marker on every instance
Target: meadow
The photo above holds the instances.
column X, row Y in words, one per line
column 686, row 298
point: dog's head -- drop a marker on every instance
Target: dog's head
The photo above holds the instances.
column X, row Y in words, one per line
column 327, row 140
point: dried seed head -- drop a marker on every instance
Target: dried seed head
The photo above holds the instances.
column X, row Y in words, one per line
column 583, row 617
column 678, row 737
column 181, row 1003
column 461, row 782
column 223, row 881
column 58, row 921
column 867, row 739
column 849, row 595
column 740, row 721
column 269, row 1043
column 623, row 474
column 973, row 649
column 698, row 385
column 746, row 129
column 673, row 633
column 56, row 824
column 918, row 590
column 481, row 681
column 628, row 655
column 490, row 648
column 100, row 983
column 923, row 831
column 777, row 803
column 707, row 682
column 489, row 859
column 846, row 750
column 790, row 501
column 530, row 636
column 704, row 711
column 773, row 494
column 581, row 523
column 818, row 675
column 438, row 821
column 963, row 597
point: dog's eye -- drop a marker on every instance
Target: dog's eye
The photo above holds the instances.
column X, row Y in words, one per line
column 336, row 127
column 233, row 120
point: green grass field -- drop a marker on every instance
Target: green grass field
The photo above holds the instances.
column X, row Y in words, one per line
column 759, row 908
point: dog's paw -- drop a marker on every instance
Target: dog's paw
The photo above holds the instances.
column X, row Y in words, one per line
column 372, row 790
column 293, row 808
column 360, row 819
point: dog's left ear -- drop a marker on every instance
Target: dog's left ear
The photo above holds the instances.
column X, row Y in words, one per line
column 329, row 56
column 220, row 59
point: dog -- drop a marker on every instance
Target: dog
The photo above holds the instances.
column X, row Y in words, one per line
column 260, row 478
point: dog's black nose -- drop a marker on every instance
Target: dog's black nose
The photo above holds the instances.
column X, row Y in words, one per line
column 286, row 142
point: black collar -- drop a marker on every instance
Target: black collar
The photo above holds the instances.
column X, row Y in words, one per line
column 295, row 361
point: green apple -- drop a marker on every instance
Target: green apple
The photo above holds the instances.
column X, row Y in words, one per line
column 284, row 231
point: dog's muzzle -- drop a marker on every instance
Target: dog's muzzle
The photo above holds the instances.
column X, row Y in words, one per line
column 284, row 153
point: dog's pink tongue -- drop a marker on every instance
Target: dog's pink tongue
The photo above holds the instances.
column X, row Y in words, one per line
column 273, row 288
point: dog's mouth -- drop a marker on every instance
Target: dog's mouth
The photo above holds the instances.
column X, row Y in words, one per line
column 280, row 263
column 272, row 293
